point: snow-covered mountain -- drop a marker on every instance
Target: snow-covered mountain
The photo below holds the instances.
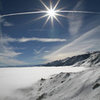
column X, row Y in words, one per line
column 83, row 85
column 84, row 59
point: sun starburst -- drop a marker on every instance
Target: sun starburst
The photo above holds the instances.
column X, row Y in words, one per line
column 51, row 12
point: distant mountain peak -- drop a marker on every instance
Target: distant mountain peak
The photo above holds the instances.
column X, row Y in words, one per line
column 89, row 58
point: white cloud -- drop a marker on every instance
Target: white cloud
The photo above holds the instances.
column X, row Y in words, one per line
column 42, row 39
column 87, row 42
column 22, row 40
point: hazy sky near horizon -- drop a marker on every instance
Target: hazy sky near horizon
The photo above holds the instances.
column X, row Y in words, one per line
column 24, row 40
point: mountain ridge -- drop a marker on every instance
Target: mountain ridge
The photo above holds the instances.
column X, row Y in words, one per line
column 90, row 58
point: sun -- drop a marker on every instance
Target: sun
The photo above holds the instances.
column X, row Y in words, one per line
column 51, row 12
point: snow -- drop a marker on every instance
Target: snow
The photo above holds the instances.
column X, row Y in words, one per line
column 83, row 85
column 81, row 81
column 15, row 78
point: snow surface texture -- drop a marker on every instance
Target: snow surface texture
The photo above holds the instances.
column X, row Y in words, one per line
column 83, row 85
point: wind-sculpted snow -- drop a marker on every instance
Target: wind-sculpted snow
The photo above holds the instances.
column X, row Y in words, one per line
column 83, row 85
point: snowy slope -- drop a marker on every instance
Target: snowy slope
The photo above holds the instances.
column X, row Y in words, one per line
column 91, row 61
column 83, row 85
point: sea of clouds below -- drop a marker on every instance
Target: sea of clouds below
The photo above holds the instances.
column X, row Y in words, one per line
column 15, row 78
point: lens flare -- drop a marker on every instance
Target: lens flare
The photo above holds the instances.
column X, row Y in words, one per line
column 51, row 12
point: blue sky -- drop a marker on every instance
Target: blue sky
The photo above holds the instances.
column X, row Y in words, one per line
column 24, row 40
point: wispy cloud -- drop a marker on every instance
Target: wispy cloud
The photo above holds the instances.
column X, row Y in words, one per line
column 8, row 55
column 46, row 51
column 5, row 23
column 87, row 42
column 22, row 40
column 38, row 51
column 41, row 39
column 75, row 20
column 8, row 52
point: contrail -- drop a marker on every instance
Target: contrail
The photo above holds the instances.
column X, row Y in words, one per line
column 82, row 12
column 39, row 12
column 23, row 13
